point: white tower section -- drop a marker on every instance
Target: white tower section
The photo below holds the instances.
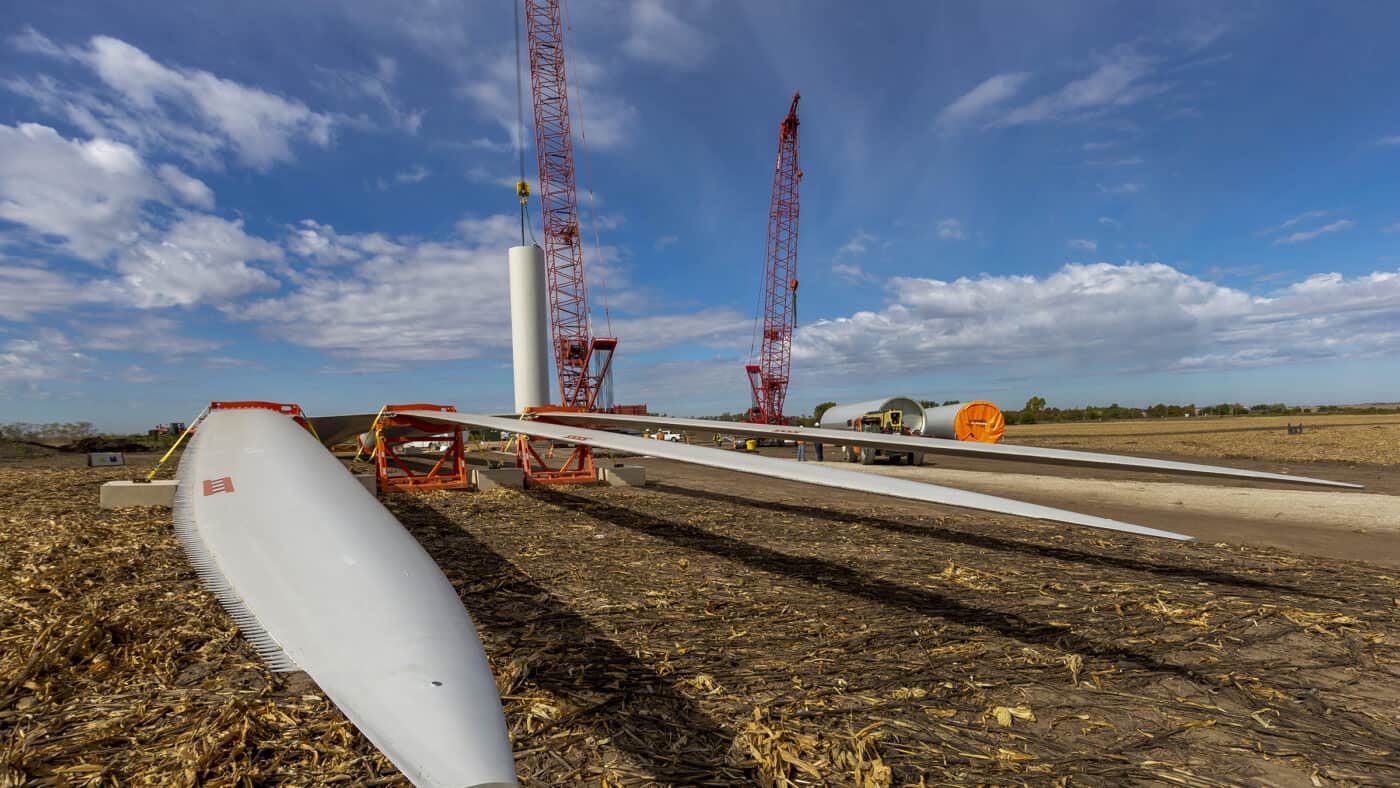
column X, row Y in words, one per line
column 529, row 327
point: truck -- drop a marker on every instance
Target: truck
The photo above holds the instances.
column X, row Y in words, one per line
column 888, row 422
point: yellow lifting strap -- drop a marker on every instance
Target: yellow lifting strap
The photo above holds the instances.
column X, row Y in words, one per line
column 177, row 443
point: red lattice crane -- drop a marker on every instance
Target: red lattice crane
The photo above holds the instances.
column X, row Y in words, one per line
column 768, row 379
column 581, row 359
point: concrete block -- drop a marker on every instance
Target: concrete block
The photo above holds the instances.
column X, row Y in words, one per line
column 491, row 478
column 116, row 495
column 370, row 481
column 623, row 475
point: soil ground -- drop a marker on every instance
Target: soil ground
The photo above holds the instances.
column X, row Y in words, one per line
column 715, row 629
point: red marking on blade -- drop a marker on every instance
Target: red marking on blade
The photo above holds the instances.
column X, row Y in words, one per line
column 220, row 485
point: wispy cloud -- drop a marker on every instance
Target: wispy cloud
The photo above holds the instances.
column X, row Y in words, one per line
column 1308, row 235
column 415, row 174
column 1102, row 145
column 1394, row 228
column 1117, row 82
column 1110, row 221
column 1128, row 162
column 657, row 34
column 1120, row 188
column 852, row 272
column 1395, row 140
column 859, row 244
column 980, row 99
column 1083, row 245
column 376, row 85
column 188, row 112
column 1306, row 216
column 665, row 241
column 951, row 230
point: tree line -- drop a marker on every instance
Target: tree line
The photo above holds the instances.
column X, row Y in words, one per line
column 24, row 431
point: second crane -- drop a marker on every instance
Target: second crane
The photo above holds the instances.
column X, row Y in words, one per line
column 768, row 379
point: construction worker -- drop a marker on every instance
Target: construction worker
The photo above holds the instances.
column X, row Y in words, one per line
column 819, row 451
column 801, row 451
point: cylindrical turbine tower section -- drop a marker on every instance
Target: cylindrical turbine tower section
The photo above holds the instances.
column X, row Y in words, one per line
column 978, row 421
column 847, row 417
column 529, row 327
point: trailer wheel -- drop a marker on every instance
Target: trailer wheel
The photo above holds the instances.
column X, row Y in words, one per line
column 867, row 456
column 916, row 459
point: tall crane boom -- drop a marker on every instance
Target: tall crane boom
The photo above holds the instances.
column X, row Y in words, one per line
column 581, row 360
column 769, row 378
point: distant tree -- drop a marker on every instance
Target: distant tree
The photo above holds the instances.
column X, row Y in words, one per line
column 928, row 403
column 1034, row 405
column 952, row 402
column 821, row 408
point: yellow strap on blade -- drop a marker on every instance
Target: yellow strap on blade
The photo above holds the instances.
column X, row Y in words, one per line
column 373, row 425
column 177, row 443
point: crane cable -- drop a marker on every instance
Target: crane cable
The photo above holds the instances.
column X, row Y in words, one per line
column 522, row 186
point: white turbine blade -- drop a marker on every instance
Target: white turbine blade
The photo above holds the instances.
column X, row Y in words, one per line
column 321, row 577
column 793, row 471
column 933, row 446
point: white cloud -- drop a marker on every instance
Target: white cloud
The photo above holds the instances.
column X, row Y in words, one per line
column 979, row 100
column 484, row 143
column 1117, row 82
column 1306, row 216
column 1128, row 162
column 378, row 86
column 90, row 193
column 1394, row 228
column 665, row 241
column 1083, row 245
column 321, row 245
column 1121, row 188
column 138, row 374
column 656, row 34
column 143, row 334
column 46, row 357
column 859, row 244
column 852, row 272
column 594, row 108
column 415, row 174
column 1126, row 316
column 405, row 300
column 719, row 327
column 188, row 112
column 27, row 291
column 1093, row 146
column 199, row 259
column 1308, row 235
column 191, row 191
column 951, row 230
column 1395, row 140
column 1109, row 221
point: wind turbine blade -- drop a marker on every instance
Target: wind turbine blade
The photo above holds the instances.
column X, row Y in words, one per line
column 322, row 578
column 926, row 445
column 793, row 471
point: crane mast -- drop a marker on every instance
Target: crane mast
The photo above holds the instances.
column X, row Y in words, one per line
column 581, row 360
column 768, row 379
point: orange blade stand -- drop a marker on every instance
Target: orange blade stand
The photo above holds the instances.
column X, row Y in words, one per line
column 578, row 468
column 396, row 475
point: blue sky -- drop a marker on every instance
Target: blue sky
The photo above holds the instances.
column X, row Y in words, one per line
column 310, row 202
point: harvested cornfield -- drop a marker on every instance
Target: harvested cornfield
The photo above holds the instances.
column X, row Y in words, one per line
column 1373, row 440
column 676, row 636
